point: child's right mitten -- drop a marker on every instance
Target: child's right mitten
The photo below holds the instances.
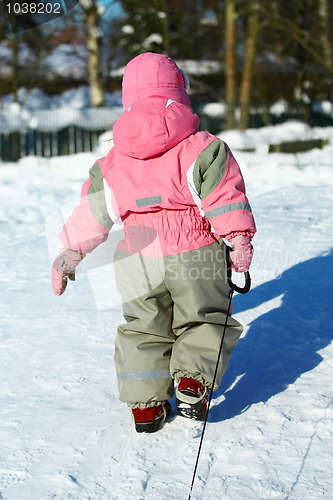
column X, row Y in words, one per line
column 241, row 254
column 64, row 267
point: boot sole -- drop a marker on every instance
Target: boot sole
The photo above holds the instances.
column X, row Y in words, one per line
column 149, row 426
column 192, row 411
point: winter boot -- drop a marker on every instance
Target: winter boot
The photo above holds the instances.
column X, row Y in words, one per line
column 191, row 399
column 150, row 419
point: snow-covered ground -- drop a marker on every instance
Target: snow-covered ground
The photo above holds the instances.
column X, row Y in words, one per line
column 76, row 98
column 63, row 432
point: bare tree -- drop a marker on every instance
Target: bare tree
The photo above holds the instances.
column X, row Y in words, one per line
column 163, row 15
column 15, row 65
column 91, row 19
column 250, row 52
column 230, row 62
column 326, row 43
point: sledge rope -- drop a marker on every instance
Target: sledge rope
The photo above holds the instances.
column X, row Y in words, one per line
column 233, row 287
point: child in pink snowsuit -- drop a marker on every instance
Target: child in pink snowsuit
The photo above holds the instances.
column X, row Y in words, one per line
column 177, row 191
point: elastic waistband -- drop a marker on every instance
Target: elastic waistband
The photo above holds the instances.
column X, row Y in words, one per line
column 169, row 221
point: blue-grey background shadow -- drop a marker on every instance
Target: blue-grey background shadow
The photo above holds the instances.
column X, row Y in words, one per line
column 283, row 343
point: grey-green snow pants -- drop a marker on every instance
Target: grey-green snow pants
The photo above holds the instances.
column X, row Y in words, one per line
column 175, row 308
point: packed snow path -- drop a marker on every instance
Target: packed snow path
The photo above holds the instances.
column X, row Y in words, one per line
column 63, row 432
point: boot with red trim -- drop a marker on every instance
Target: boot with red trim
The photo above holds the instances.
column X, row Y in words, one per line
column 150, row 419
column 191, row 399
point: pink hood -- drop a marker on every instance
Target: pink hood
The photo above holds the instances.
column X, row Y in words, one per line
column 158, row 114
column 153, row 75
column 152, row 127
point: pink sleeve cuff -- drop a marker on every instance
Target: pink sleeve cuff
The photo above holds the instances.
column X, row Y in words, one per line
column 233, row 234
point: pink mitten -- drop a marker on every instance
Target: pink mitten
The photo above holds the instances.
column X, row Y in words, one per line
column 64, row 267
column 241, row 254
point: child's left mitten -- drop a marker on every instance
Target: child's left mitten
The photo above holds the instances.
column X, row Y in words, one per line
column 63, row 268
column 241, row 254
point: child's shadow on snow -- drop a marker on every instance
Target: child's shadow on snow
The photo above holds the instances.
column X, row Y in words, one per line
column 283, row 343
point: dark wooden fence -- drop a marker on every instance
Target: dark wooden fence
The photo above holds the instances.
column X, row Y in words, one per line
column 64, row 131
column 69, row 140
column 262, row 114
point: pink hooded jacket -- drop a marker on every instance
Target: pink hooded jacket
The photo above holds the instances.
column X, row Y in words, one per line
column 173, row 188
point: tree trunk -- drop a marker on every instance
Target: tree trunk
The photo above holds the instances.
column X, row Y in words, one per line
column 92, row 24
column 163, row 14
column 325, row 31
column 250, row 50
column 15, row 65
column 230, row 62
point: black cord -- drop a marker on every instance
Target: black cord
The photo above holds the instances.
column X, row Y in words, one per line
column 233, row 287
column 211, row 394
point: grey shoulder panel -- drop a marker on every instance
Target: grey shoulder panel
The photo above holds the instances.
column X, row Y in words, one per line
column 96, row 196
column 210, row 167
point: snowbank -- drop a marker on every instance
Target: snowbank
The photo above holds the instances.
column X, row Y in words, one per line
column 260, row 138
column 76, row 98
column 19, row 119
column 191, row 67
